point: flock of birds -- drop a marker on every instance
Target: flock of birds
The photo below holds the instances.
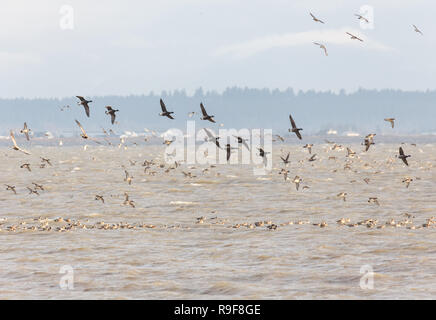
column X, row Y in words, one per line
column 352, row 36
column 35, row 188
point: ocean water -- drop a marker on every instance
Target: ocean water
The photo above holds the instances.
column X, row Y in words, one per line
column 160, row 249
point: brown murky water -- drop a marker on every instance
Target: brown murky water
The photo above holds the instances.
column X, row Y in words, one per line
column 160, row 250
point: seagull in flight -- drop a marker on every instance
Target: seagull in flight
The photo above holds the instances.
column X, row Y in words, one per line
column 391, row 120
column 294, row 128
column 16, row 147
column 315, row 18
column 84, row 135
column 164, row 112
column 322, row 47
column 360, row 17
column 84, row 103
column 353, row 37
column 417, row 30
column 205, row 115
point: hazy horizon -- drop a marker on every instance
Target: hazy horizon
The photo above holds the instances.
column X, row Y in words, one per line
column 363, row 111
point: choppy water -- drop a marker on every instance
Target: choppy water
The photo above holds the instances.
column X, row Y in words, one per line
column 166, row 254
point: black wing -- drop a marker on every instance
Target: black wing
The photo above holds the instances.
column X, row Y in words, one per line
column 162, row 105
column 203, row 110
column 401, row 152
column 294, row 126
column 113, row 117
column 85, row 105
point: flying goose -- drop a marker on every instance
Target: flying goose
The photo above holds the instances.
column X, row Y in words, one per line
column 205, row 115
column 229, row 150
column 111, row 112
column 294, row 128
column 84, row 103
column 403, row 157
column 98, row 197
column 164, row 112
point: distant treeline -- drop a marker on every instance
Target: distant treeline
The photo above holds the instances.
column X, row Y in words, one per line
column 316, row 112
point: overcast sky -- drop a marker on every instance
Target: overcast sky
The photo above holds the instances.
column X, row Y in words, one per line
column 134, row 47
